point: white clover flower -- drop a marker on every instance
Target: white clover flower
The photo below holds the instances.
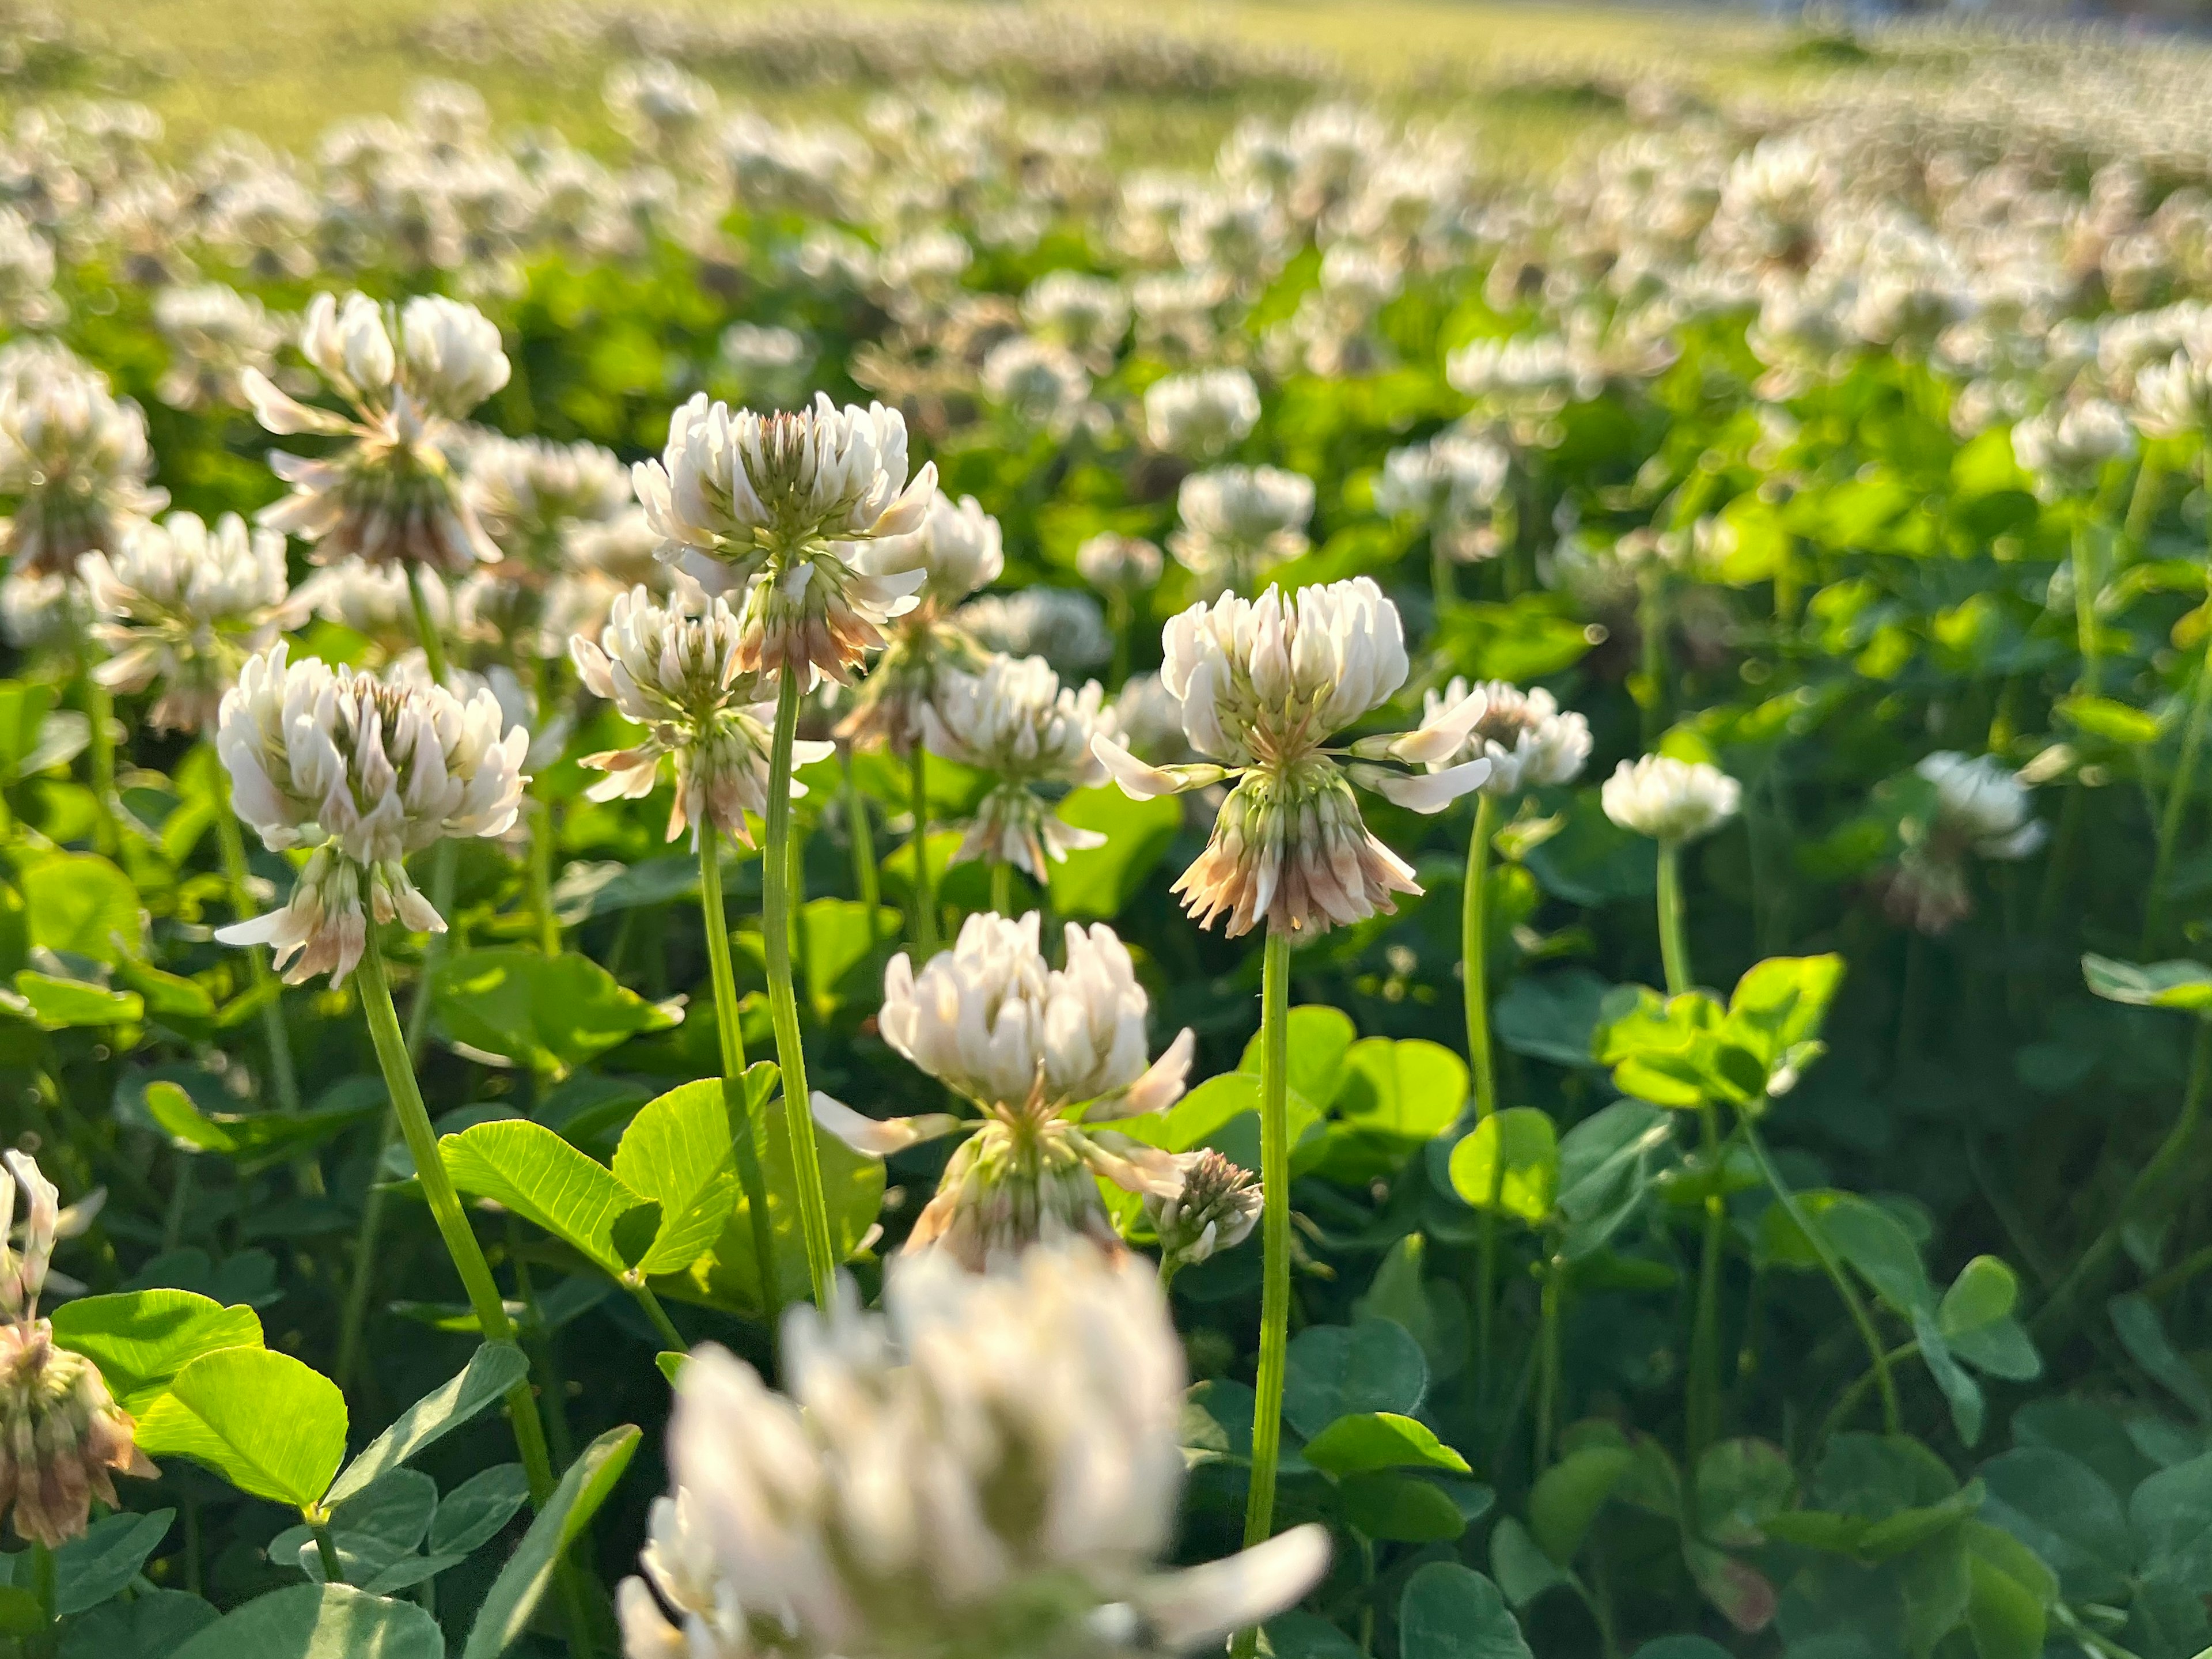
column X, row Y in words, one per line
column 659, row 108
column 528, row 493
column 26, row 275
column 2068, row 448
column 186, row 604
column 1150, row 719
column 1452, row 483
column 1527, row 378
column 1016, row 721
column 1239, row 521
column 2173, row 398
column 1982, row 808
column 1063, row 625
column 959, row 550
column 1529, row 741
column 1046, row 1055
column 678, row 677
column 1119, row 564
column 390, row 496
column 1040, row 384
column 1264, row 684
column 1217, row 1210
column 75, row 459
column 795, row 509
column 215, row 334
column 363, row 773
column 372, row 601
column 999, row 1454
column 1087, row 314
column 38, row 612
column 1201, row 415
column 957, row 546
column 1670, row 800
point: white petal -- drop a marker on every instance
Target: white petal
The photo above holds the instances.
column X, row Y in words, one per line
column 1188, row 1609
column 878, row 1137
column 1423, row 791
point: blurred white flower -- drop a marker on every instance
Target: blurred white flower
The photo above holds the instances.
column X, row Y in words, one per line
column 1982, row 808
column 75, row 459
column 1452, row 483
column 959, row 550
column 678, row 677
column 529, row 493
column 1040, row 384
column 1238, row 522
column 1529, row 741
column 1112, row 563
column 1063, row 625
column 2068, row 447
column 363, row 773
column 2173, row 398
column 1087, row 314
column 1014, row 720
column 1201, row 415
column 185, row 605
column 998, row 1454
column 215, row 334
column 1670, row 800
column 1264, row 684
column 372, row 600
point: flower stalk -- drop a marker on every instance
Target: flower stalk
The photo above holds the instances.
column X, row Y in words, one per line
column 924, row 901
column 745, row 1132
column 1275, row 1247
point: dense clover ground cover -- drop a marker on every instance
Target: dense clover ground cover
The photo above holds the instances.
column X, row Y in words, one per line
column 1492, row 888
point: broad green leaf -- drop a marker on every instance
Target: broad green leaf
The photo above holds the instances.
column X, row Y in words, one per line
column 90, row 1569
column 529, row 1169
column 516, row 1006
column 677, row 1152
column 2144, row 1336
column 2063, row 1512
column 1976, row 1318
column 1364, row 1442
column 2183, row 985
column 1742, row 1486
column 471, row 1515
column 514, row 1594
column 845, row 948
column 59, row 1004
column 1318, row 1040
column 1410, row 1090
column 154, row 1624
column 1960, row 1391
column 1509, row 1162
column 1565, row 1500
column 1334, row 1371
column 24, row 706
column 1097, row 884
column 252, row 1138
column 1551, row 1015
column 1400, row 1510
column 1523, row 1570
column 492, row 1369
column 79, row 904
column 1746, row 1597
column 319, row 1621
column 1450, row 1612
column 1879, row 1250
column 268, row 1424
column 140, row 1339
column 1783, row 1001
column 2172, row 1515
column 1433, row 1309
column 1309, row 1636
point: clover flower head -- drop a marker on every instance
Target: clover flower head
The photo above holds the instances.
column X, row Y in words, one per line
column 1016, row 721
column 186, row 604
column 1216, row 1209
column 1063, row 625
column 1453, row 483
column 1087, row 314
column 1046, row 1056
column 677, row 675
column 1119, row 564
column 959, row 548
column 528, row 492
column 1265, row 685
column 62, row 1438
column 2173, row 398
column 804, row 512
column 215, row 334
column 1528, row 741
column 1239, row 521
column 1670, row 800
column 1981, row 809
column 1203, row 415
column 75, row 459
column 996, row 1453
column 2068, row 447
column 361, row 772
column 1038, row 383
column 372, row 600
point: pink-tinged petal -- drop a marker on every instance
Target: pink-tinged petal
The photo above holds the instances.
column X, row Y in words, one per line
column 875, row 1137
column 1423, row 791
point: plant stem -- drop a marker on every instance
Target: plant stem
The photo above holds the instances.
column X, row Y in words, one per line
column 1674, row 940
column 2171, row 1151
column 745, row 1133
column 865, row 881
column 426, row 630
column 1848, row 1402
column 2085, row 611
column 1474, row 970
column 541, row 877
column 659, row 1315
column 1705, row 1386
column 1853, row 1302
column 1651, row 627
column 332, row 1573
column 925, row 901
column 1275, row 1240
column 280, row 1070
column 2184, row 777
column 1002, row 887
column 783, row 1002
column 452, row 1221
column 1547, row 1389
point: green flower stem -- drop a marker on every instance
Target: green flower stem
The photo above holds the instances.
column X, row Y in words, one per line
column 100, row 711
column 1651, row 628
column 1275, row 1244
column 1474, row 965
column 333, row 1572
column 2143, row 501
column 1854, row 1304
column 661, row 1323
column 2085, row 611
column 282, row 1071
column 1849, row 1401
column 1119, row 620
column 553, row 1387
column 925, row 901
column 426, row 630
column 540, row 875
column 1002, row 887
column 866, row 882
column 2170, row 1154
column 1673, row 937
column 1702, row 1406
column 783, row 1003
column 43, row 1586
column 2176, row 810
column 1443, row 588
column 745, row 1133
column 1550, row 1317
column 468, row 1257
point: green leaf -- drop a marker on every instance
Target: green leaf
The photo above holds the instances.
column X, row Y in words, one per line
column 1366, row 1441
column 677, row 1153
column 60, row 1005
column 1509, row 1162
column 2116, row 722
column 1565, row 1502
column 268, row 1424
column 472, row 1514
column 253, row 1138
column 2183, row 985
column 79, row 904
column 1319, row 1040
column 1742, row 1486
column 2062, row 1511
column 1309, row 1636
column 1681, row 1647
column 1451, row 1611
column 516, row 1006
column 1880, row 1250
column 1399, row 1509
column 90, row 1569
column 1551, row 1015
column 1523, row 1570
column 319, row 1621
column 1408, row 1090
column 2144, row 1335
column 154, row 1624
column 514, row 1594
column 2172, row 1513
column 526, row 1168
column 1335, row 1370
column 846, row 947
column 1976, row 1318
column 492, row 1369
column 1098, row 883
column 140, row 1339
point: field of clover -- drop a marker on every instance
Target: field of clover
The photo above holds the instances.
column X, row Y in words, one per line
column 887, row 886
